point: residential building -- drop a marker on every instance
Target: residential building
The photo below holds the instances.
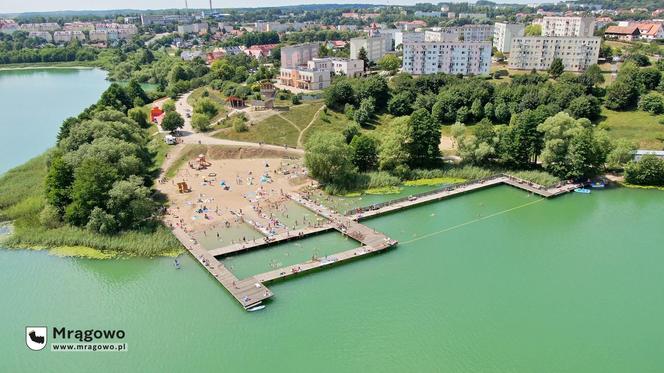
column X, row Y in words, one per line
column 42, row 35
column 602, row 21
column 148, row 19
column 410, row 25
column 49, row 26
column 624, row 33
column 363, row 16
column 317, row 73
column 260, row 51
column 374, row 46
column 99, row 36
column 225, row 27
column 190, row 55
column 402, row 37
column 232, row 50
column 79, row 26
column 347, row 27
column 297, row 55
column 420, row 13
column 651, row 30
column 67, row 36
column 450, row 57
column 568, row 26
column 193, row 28
column 8, row 26
column 262, row 26
column 538, row 52
column 460, row 33
column 477, row 16
column 503, row 34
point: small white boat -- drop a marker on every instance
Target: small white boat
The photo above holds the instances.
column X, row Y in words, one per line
column 582, row 190
column 257, row 308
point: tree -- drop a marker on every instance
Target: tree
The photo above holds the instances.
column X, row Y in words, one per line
column 649, row 170
column 115, row 97
column 400, row 104
column 533, row 30
column 389, row 62
column 621, row 95
column 639, row 59
column 650, row 76
column 139, row 116
column 365, row 112
column 207, row 107
column 375, row 88
column 652, row 103
column 365, row 152
column 362, row 55
column 172, row 121
column 136, row 93
column 329, row 159
column 592, row 76
column 393, row 153
column 350, row 131
column 585, row 107
column 339, row 94
column 572, row 149
column 200, row 122
column 424, row 140
column 556, row 68
column 130, row 202
column 621, row 154
column 58, row 184
column 92, row 181
column 168, row 105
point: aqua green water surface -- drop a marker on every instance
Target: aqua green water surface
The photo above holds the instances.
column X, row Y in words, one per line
column 494, row 281
column 33, row 104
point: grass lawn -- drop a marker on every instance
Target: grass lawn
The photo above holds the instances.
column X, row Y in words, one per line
column 272, row 130
column 637, row 126
column 302, row 114
column 214, row 95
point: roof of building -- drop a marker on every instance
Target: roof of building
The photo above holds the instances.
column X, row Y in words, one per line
column 622, row 30
column 649, row 29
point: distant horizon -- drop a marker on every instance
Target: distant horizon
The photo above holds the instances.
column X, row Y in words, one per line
column 42, row 6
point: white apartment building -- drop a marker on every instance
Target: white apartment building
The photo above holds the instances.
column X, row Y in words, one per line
column 538, row 52
column 568, row 26
column 79, row 26
column 317, row 73
column 41, row 34
column 503, row 34
column 450, row 57
column 477, row 16
column 67, row 36
column 297, row 55
column 460, row 33
column 374, row 46
column 148, row 19
column 49, row 26
column 262, row 26
column 420, row 13
column 193, row 28
column 402, row 37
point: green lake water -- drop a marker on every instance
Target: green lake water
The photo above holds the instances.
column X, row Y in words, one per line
column 33, row 104
column 492, row 281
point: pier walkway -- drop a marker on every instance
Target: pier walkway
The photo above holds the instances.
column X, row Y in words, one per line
column 453, row 190
column 251, row 291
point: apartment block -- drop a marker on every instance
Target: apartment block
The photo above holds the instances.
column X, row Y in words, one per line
column 317, row 73
column 148, row 19
column 403, row 37
column 568, row 26
column 374, row 46
column 297, row 55
column 450, row 57
column 460, row 33
column 41, row 34
column 193, row 28
column 538, row 52
column 503, row 34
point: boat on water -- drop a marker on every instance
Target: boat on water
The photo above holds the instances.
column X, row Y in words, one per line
column 582, row 190
column 257, row 308
column 598, row 184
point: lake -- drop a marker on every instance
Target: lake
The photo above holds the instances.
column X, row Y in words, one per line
column 492, row 281
column 33, row 104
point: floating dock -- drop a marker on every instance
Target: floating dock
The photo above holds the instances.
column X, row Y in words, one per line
column 251, row 292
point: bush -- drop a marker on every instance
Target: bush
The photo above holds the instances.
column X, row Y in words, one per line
column 207, row 107
column 200, row 122
column 296, row 99
column 239, row 125
column 653, row 103
column 648, row 171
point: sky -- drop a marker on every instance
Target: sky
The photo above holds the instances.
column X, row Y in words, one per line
column 20, row 6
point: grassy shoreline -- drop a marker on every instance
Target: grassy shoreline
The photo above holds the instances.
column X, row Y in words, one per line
column 52, row 65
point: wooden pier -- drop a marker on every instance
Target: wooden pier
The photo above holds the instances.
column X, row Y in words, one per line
column 250, row 292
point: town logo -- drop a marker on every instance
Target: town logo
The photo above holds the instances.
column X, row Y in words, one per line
column 35, row 337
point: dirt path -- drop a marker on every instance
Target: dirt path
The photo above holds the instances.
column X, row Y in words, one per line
column 316, row 114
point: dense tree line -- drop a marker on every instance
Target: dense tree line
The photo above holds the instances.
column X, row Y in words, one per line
column 99, row 173
column 19, row 48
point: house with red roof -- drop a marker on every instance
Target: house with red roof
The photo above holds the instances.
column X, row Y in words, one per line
column 651, row 30
column 260, row 51
column 624, row 33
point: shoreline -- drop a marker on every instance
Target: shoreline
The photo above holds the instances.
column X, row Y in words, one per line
column 51, row 65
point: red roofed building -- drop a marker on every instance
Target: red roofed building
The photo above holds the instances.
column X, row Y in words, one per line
column 215, row 55
column 155, row 113
column 260, row 51
column 651, row 30
column 627, row 33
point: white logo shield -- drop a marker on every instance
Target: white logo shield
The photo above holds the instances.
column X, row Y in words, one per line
column 35, row 337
